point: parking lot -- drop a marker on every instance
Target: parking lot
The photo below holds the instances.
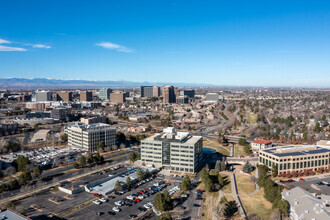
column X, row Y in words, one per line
column 309, row 184
column 90, row 212
column 45, row 155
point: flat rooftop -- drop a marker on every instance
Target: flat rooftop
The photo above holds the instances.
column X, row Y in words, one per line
column 288, row 151
column 171, row 135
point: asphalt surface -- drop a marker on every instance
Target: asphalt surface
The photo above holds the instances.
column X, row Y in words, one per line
column 309, row 184
column 90, row 211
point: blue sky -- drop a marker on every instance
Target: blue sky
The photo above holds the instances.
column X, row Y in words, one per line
column 247, row 42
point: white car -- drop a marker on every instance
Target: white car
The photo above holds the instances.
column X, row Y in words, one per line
column 141, row 197
column 150, row 204
column 97, row 202
column 119, row 203
column 147, row 206
column 130, row 197
column 103, row 200
column 116, row 209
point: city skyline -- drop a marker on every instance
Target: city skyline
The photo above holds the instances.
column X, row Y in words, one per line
column 215, row 42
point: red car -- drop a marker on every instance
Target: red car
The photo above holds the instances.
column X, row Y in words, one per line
column 301, row 179
column 97, row 195
column 137, row 200
column 167, row 184
column 142, row 191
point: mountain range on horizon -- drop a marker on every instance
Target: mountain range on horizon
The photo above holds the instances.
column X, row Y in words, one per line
column 48, row 83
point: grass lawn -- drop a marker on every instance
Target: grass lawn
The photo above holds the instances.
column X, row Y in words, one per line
column 239, row 151
column 257, row 205
column 252, row 118
column 215, row 145
column 244, row 185
column 210, row 204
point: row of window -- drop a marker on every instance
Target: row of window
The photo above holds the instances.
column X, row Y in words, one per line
column 295, row 165
column 294, row 159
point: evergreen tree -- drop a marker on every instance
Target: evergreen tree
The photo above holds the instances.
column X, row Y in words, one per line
column 139, row 174
column 247, row 168
column 128, row 182
column 185, row 183
column 82, row 161
column 118, row 186
column 159, row 202
column 217, row 166
column 274, row 170
column 36, row 171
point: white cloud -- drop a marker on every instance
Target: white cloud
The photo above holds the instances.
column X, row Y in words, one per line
column 41, row 46
column 116, row 47
column 2, row 41
column 5, row 48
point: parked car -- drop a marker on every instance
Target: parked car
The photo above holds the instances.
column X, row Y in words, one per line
column 96, row 194
column 111, row 213
column 119, row 203
column 97, row 202
column 116, row 209
column 103, row 200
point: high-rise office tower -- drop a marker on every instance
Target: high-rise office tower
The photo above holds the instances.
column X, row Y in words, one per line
column 65, row 96
column 118, row 97
column 104, row 93
column 86, row 96
column 44, row 96
column 168, row 94
column 150, row 91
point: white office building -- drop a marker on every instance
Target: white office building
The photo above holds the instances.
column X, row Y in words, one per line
column 173, row 150
column 87, row 137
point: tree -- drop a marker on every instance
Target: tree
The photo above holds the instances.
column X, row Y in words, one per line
column 97, row 157
column 317, row 127
column 146, row 174
column 90, row 159
column 217, row 166
column 128, row 182
column 82, row 161
column 25, row 177
column 247, row 149
column 100, row 146
column 283, row 206
column 168, row 200
column 10, row 205
column 76, row 165
column 166, row 216
column 134, row 156
column 274, row 170
column 185, row 183
column 3, row 187
column 242, row 141
column 36, row 171
column 118, row 186
column 22, row 163
column 64, row 137
column 13, row 184
column 247, row 168
column 12, row 146
column 140, row 174
column 120, row 137
column 223, row 166
column 159, row 202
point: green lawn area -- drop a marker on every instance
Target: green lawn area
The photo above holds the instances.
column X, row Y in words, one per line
column 239, row 151
column 257, row 205
column 244, row 185
column 252, row 118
